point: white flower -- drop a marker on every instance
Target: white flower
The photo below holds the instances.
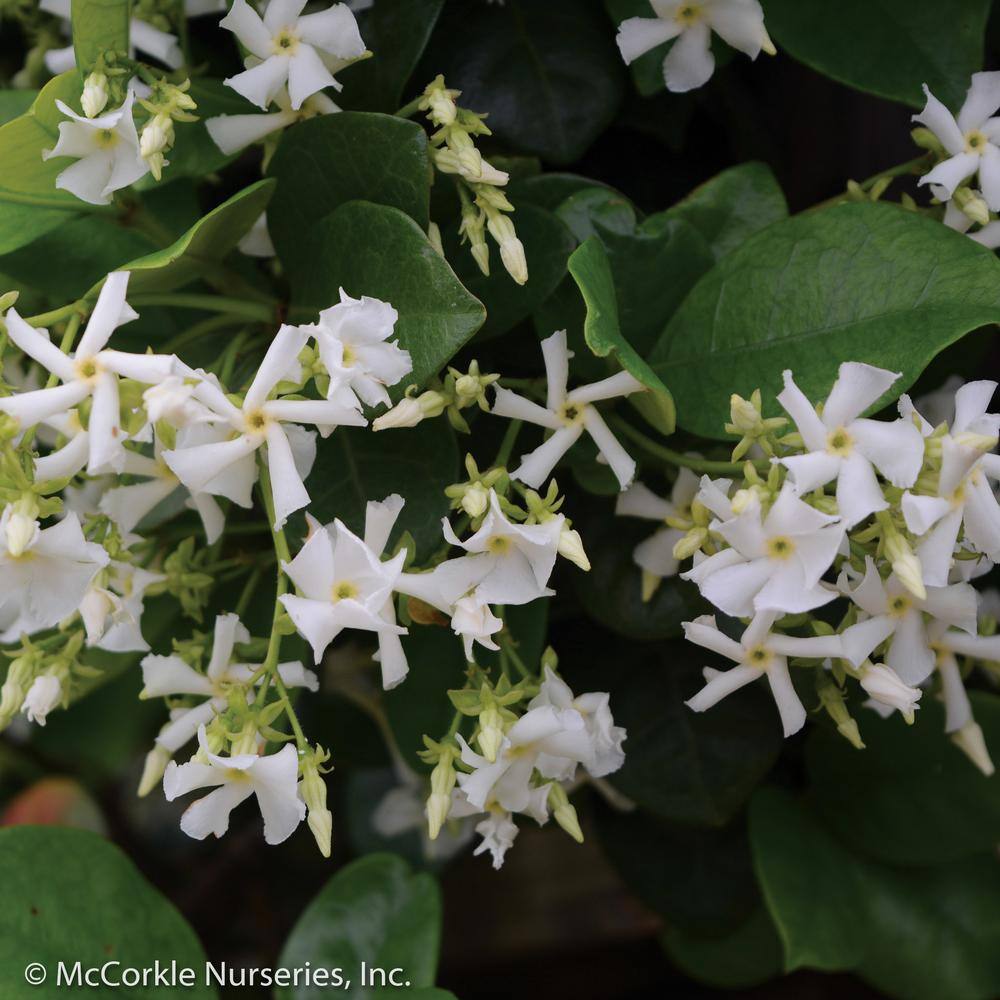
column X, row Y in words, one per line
column 885, row 686
column 257, row 241
column 776, row 560
column 759, row 653
column 228, row 468
column 43, row 696
column 970, row 140
column 894, row 612
column 343, row 584
column 568, row 414
column 498, row 829
column 301, row 52
column 840, row 445
column 509, row 564
column 964, row 497
column 174, row 402
column 353, row 342
column 401, row 812
column 45, row 582
column 594, row 707
column 128, row 505
column 92, row 370
column 231, row 133
column 474, row 621
column 106, row 151
column 544, row 738
column 112, row 614
column 690, row 63
column 655, row 555
column 273, row 779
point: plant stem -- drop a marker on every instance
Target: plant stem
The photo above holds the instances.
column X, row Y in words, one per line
column 507, row 445
column 909, row 167
column 409, row 110
column 261, row 312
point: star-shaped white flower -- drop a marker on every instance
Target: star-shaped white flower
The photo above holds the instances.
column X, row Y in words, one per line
column 288, row 49
column 841, row 445
column 106, row 150
column 776, row 560
column 92, row 370
column 498, row 830
column 568, row 414
column 759, row 653
column 112, row 612
column 655, row 555
column 231, row 133
column 689, row 63
column 228, row 468
column 343, row 584
column 886, row 688
column 896, row 614
column 273, row 779
column 970, row 139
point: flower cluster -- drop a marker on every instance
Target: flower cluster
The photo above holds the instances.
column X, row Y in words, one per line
column 848, row 552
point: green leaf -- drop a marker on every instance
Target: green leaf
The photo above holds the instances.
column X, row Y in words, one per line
column 14, row 103
column 355, row 465
column 547, row 244
column 30, row 202
column 325, row 162
column 397, row 33
column 746, row 957
column 583, row 211
column 866, row 797
column 729, row 208
column 857, row 282
column 202, row 247
column 922, row 934
column 689, row 768
column 550, row 190
column 71, row 896
column 376, row 250
column 99, row 26
column 374, row 911
column 557, row 58
column 890, row 48
column 591, row 269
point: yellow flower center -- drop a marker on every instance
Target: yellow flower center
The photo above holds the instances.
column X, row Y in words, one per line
column 759, row 657
column 285, row 42
column 899, row 605
column 344, row 591
column 499, row 545
column 570, row 413
column 86, row 368
column 975, row 141
column 688, row 14
column 349, row 357
column 106, row 138
column 839, row 442
column 256, row 421
column 780, row 547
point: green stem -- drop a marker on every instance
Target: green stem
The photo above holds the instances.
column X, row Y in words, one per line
column 258, row 311
column 677, row 458
column 56, row 315
column 909, row 167
column 248, row 591
column 507, row 445
column 202, row 329
column 409, row 110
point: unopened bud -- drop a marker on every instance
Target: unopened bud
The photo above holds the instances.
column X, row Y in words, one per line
column 571, row 547
column 564, row 813
column 20, row 527
column 970, row 740
column 690, row 543
column 320, row 819
column 44, row 695
column 95, row 94
column 490, row 737
column 973, row 205
column 439, row 803
column 476, row 500
column 650, row 585
column 410, row 410
column 152, row 770
column 926, row 139
column 744, row 416
column 885, row 686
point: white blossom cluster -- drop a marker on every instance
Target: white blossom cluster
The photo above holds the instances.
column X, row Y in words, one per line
column 851, row 555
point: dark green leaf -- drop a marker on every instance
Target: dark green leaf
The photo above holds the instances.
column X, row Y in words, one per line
column 890, row 48
column 550, row 190
column 377, row 250
column 327, row 161
column 584, row 210
column 374, row 911
column 14, row 103
column 99, row 26
column 857, row 282
column 867, row 797
column 557, row 58
column 71, row 896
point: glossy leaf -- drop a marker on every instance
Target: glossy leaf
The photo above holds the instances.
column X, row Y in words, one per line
column 902, row 45
column 373, row 911
column 99, row 26
column 376, row 250
column 55, row 882
column 857, row 282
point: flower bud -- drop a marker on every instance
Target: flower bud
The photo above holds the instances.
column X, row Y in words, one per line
column 969, row 739
column 95, row 94
column 883, row 684
column 20, row 675
column 511, row 248
column 490, row 737
column 410, row 410
column 44, row 695
column 926, row 139
column 172, row 401
column 439, row 803
column 744, row 416
column 973, row 205
column 475, row 500
column 313, row 789
column 157, row 136
column 152, row 770
column 571, row 547
column 564, row 813
column 96, row 606
column 20, row 526
column 690, row 543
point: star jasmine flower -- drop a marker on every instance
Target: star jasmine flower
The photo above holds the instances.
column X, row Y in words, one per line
column 543, row 737
column 655, row 555
column 231, row 133
column 112, row 613
column 498, row 830
column 343, row 584
column 896, row 614
column 257, row 242
column 568, row 414
column 46, row 577
column 775, row 561
column 759, row 653
column 173, row 401
column 509, row 563
column 473, row 620
column 167, row 676
column 970, row 139
column 964, row 498
column 273, row 779
column 92, row 370
column 228, row 468
column 288, row 49
column 884, row 686
column 353, row 342
column 689, row 63
column 44, row 695
column 594, row 708
column 106, row 149
column 842, row 446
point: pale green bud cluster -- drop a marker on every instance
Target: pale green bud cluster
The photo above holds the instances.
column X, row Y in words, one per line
column 166, row 104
